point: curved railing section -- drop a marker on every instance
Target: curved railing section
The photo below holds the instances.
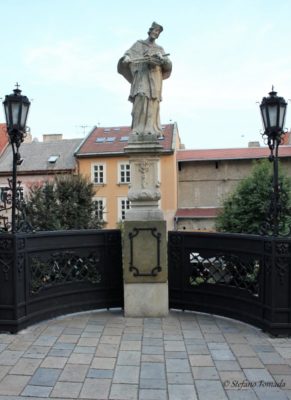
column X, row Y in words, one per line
column 245, row 277
column 46, row 274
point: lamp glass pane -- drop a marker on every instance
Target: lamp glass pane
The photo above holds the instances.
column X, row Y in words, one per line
column 282, row 116
column 24, row 112
column 264, row 117
column 6, row 109
column 272, row 114
column 15, row 107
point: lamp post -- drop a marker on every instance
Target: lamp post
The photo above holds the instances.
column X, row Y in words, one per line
column 16, row 107
column 273, row 110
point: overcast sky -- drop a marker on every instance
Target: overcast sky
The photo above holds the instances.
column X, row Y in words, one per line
column 226, row 56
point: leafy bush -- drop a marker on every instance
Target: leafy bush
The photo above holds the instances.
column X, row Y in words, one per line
column 66, row 202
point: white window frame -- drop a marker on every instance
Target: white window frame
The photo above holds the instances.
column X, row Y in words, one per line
column 123, row 206
column 124, row 169
column 102, row 201
column 98, row 166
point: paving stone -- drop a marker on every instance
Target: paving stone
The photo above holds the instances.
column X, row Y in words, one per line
column 152, row 371
column 152, row 384
column 54, row 362
column 63, row 346
column 132, row 336
column 123, row 392
column 176, row 354
column 180, row 378
column 110, row 339
column 100, row 373
column 271, row 358
column 36, row 352
column 129, row 358
column 258, row 374
column 84, row 350
column 10, row 357
column 68, row 338
column 284, row 381
column 59, row 353
column 153, row 394
column 210, row 390
column 95, row 389
column 182, row 392
column 193, row 334
column 88, row 341
column 241, row 395
column 13, row 385
column 148, row 341
column 235, row 338
column 45, row 377
column 19, row 346
column 4, row 370
column 45, row 340
column 152, row 358
column 103, row 363
column 260, row 348
column 152, row 350
column 66, row 390
column 250, row 362
column 205, row 373
column 80, row 358
column 229, row 378
column 74, row 373
column 242, row 350
column 177, row 365
column 174, row 345
column 126, row 374
column 107, row 350
column 134, row 345
column 72, row 331
column 214, row 337
column 25, row 366
column 222, row 354
column 36, row 391
column 279, row 369
column 201, row 361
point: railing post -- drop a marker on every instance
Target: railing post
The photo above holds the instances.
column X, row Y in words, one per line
column 277, row 297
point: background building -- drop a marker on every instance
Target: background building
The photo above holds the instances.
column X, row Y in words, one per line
column 206, row 177
column 101, row 158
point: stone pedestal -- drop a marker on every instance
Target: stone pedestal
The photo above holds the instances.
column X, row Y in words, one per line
column 145, row 235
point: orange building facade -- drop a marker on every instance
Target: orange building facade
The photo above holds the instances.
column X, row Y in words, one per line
column 101, row 158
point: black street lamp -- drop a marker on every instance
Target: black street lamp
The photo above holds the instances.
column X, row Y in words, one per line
column 16, row 107
column 273, row 111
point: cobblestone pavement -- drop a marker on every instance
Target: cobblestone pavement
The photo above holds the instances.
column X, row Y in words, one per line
column 103, row 355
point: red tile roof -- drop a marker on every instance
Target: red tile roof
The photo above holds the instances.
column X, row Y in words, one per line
column 3, row 137
column 199, row 212
column 115, row 139
column 230, row 154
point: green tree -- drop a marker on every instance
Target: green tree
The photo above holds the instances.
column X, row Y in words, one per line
column 247, row 207
column 66, row 202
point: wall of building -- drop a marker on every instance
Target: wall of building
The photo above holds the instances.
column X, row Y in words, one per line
column 111, row 191
column 207, row 183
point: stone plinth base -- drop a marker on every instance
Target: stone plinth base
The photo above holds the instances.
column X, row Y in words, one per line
column 146, row 300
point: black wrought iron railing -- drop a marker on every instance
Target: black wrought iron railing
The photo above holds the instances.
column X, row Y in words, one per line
column 245, row 277
column 45, row 274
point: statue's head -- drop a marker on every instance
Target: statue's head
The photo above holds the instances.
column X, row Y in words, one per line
column 156, row 27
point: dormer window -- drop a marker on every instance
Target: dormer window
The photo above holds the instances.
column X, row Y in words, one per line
column 52, row 159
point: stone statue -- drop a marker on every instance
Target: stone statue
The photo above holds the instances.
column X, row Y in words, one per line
column 145, row 65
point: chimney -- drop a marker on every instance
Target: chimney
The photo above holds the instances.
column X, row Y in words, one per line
column 254, row 144
column 52, row 137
